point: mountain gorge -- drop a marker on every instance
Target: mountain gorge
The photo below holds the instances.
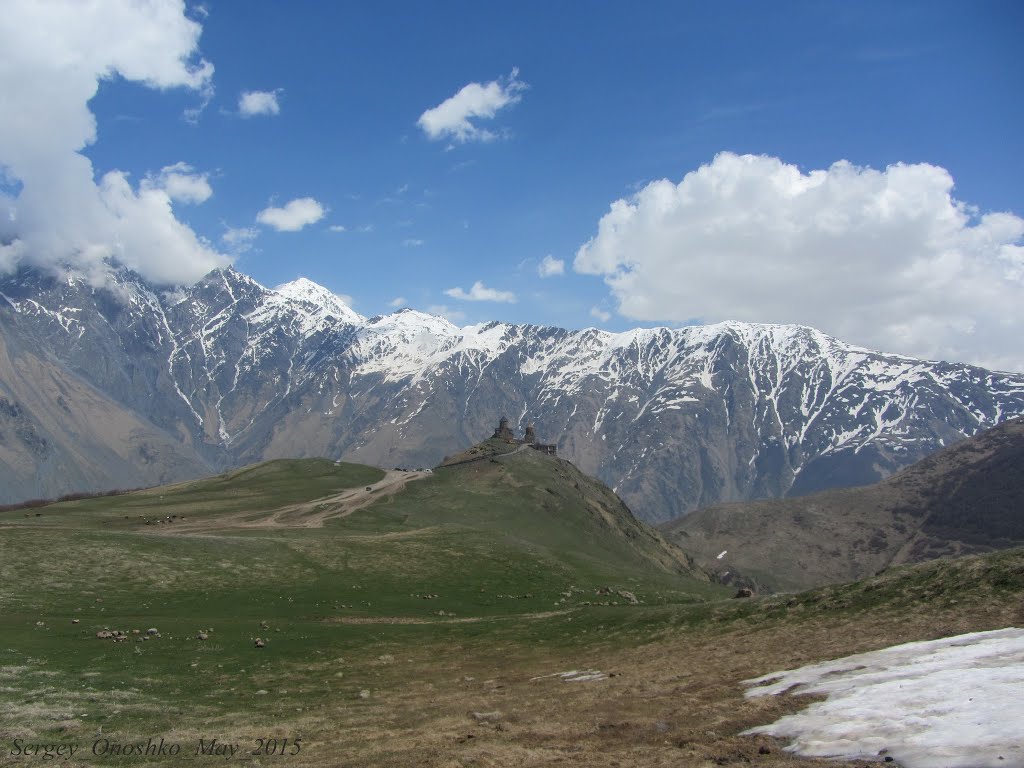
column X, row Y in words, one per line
column 127, row 385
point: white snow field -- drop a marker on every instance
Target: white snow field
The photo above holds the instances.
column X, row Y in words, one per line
column 957, row 702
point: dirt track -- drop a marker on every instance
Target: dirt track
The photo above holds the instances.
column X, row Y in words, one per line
column 452, row 619
column 308, row 514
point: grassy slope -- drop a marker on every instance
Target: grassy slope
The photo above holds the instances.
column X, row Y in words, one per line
column 964, row 499
column 344, row 612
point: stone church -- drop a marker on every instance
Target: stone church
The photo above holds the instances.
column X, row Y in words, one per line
column 504, row 432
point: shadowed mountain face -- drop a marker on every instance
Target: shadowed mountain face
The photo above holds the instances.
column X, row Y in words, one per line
column 968, row 498
column 227, row 372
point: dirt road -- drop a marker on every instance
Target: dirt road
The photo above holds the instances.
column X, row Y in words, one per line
column 308, row 514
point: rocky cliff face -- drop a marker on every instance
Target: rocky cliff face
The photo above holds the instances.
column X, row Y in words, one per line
column 227, row 372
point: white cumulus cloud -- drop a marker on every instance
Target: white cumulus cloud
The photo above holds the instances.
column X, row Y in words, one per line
column 398, row 301
column 550, row 266
column 239, row 239
column 600, row 314
column 479, row 292
column 293, row 216
column 252, row 103
column 453, row 117
column 888, row 259
column 181, row 183
column 54, row 213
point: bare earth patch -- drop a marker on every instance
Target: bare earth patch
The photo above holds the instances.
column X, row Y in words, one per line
column 310, row 514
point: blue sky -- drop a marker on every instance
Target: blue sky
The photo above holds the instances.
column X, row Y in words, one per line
column 602, row 100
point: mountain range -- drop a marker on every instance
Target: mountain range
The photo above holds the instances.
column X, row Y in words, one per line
column 121, row 384
column 964, row 499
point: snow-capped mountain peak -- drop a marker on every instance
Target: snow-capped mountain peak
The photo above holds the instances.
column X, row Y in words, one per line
column 327, row 303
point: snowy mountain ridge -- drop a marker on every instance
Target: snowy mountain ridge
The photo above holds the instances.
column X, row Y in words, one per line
column 673, row 418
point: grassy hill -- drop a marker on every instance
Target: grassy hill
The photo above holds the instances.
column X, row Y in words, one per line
column 968, row 498
column 408, row 618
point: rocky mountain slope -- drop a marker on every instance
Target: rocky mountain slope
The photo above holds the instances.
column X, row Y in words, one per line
column 227, row 372
column 965, row 499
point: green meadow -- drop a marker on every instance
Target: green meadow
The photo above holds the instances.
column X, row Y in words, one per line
column 423, row 622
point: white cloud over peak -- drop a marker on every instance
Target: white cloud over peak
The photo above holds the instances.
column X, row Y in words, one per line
column 454, row 316
column 293, row 216
column 397, row 302
column 550, row 266
column 252, row 103
column 53, row 213
column 181, row 183
column 887, row 259
column 239, row 239
column 453, row 117
column 479, row 292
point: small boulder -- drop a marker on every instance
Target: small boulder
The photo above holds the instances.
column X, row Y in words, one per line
column 152, row 631
column 744, row 592
column 486, row 717
column 202, row 636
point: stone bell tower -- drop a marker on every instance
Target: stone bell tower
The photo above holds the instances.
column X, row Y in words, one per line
column 503, row 432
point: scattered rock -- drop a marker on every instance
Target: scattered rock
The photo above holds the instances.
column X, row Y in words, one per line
column 364, row 694
column 202, row 636
column 744, row 592
column 75, row 621
column 261, row 692
column 152, row 631
column 625, row 594
column 259, row 643
column 486, row 717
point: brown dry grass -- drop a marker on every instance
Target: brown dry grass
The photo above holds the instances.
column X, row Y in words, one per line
column 675, row 701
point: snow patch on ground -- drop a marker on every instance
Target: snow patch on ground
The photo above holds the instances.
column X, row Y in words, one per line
column 957, row 702
column 574, row 676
